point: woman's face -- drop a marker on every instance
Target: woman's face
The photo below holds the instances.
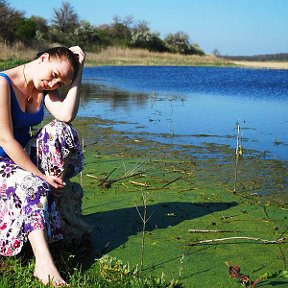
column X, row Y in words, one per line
column 52, row 73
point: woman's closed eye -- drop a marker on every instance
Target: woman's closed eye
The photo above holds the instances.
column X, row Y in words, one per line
column 56, row 76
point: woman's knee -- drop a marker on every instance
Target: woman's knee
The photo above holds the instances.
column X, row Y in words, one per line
column 59, row 133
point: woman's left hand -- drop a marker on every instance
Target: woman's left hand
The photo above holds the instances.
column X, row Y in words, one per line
column 80, row 54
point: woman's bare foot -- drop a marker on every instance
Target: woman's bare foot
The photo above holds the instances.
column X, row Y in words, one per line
column 47, row 273
column 45, row 269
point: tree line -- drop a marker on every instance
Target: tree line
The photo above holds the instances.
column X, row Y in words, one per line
column 66, row 28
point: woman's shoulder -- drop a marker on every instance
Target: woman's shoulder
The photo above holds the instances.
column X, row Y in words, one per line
column 5, row 83
column 4, row 80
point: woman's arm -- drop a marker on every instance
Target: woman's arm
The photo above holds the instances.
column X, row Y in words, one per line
column 10, row 145
column 65, row 109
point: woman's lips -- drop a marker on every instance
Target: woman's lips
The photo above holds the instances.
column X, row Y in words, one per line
column 45, row 84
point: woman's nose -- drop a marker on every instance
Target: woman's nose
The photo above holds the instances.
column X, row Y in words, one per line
column 55, row 82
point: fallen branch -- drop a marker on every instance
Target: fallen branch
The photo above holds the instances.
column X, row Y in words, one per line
column 92, row 176
column 172, row 181
column 264, row 241
column 139, row 183
column 106, row 183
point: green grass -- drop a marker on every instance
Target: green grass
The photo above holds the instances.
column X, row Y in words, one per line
column 10, row 63
column 183, row 192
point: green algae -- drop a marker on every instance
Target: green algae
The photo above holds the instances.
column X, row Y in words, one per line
column 187, row 188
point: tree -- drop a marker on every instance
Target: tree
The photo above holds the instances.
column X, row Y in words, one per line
column 26, row 30
column 9, row 21
column 180, row 43
column 65, row 19
column 87, row 35
column 143, row 37
column 120, row 30
column 41, row 24
column 42, row 30
column 216, row 52
column 64, row 22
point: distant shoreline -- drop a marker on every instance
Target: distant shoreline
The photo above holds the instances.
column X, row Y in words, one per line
column 262, row 64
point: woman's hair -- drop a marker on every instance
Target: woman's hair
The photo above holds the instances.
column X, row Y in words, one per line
column 62, row 53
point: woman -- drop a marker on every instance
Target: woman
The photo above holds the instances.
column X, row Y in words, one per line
column 32, row 169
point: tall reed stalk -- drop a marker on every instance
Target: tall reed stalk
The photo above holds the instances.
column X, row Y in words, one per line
column 238, row 153
column 144, row 219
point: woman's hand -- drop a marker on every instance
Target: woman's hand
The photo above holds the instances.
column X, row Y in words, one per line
column 56, row 184
column 54, row 181
column 80, row 54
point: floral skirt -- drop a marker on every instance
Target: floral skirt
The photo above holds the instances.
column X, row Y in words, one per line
column 26, row 202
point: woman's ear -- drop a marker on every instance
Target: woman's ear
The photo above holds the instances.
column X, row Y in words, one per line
column 44, row 57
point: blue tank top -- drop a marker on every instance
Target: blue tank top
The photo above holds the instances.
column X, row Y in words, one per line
column 22, row 121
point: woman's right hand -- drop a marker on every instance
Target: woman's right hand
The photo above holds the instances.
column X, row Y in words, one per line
column 80, row 54
column 54, row 181
column 56, row 184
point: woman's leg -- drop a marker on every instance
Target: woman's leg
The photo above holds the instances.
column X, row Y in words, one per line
column 27, row 213
column 45, row 269
column 59, row 150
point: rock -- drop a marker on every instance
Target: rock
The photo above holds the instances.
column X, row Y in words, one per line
column 70, row 208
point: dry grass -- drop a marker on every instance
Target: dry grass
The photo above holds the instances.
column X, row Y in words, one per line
column 263, row 64
column 17, row 52
column 126, row 56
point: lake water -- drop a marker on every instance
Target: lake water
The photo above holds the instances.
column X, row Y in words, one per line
column 193, row 105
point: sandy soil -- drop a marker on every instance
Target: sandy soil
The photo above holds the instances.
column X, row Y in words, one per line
column 269, row 64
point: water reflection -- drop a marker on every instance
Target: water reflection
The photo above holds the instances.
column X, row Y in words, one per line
column 96, row 93
column 192, row 107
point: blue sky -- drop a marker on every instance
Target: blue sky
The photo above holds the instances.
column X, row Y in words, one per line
column 234, row 27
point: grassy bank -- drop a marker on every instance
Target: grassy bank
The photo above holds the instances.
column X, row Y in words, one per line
column 18, row 54
column 121, row 56
column 188, row 198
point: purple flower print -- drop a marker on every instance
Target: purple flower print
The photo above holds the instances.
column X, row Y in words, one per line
column 10, row 191
column 41, row 190
column 28, row 209
column 27, row 228
column 7, row 170
column 33, row 199
column 45, row 137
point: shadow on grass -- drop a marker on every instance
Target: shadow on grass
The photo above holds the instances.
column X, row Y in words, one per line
column 112, row 228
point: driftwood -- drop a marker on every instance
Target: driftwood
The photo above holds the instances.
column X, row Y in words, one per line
column 210, row 231
column 69, row 206
column 264, row 241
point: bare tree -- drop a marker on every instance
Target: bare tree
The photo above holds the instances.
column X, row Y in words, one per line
column 65, row 19
column 216, row 52
column 126, row 22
